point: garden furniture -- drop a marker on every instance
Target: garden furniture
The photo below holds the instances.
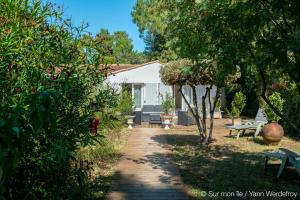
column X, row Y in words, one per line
column 256, row 126
column 287, row 157
column 185, row 119
column 154, row 119
column 138, row 117
column 148, row 110
column 260, row 117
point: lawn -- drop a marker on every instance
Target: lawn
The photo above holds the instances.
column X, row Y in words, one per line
column 228, row 165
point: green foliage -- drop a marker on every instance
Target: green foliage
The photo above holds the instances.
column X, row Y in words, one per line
column 259, row 39
column 181, row 72
column 125, row 103
column 98, row 162
column 237, row 105
column 50, row 92
column 278, row 103
column 291, row 107
column 106, row 48
column 150, row 17
column 168, row 104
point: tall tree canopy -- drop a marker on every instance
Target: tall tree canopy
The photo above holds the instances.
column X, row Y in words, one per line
column 260, row 38
column 150, row 16
column 112, row 48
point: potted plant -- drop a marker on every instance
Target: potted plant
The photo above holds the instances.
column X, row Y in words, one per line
column 237, row 106
column 126, row 107
column 272, row 132
column 168, row 106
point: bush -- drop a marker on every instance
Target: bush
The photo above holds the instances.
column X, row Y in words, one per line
column 237, row 105
column 277, row 102
column 125, row 103
column 291, row 108
column 168, row 104
column 49, row 96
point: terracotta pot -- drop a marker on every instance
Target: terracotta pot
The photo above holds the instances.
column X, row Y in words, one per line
column 272, row 133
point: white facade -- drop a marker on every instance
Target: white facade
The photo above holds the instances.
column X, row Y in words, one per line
column 148, row 73
column 147, row 87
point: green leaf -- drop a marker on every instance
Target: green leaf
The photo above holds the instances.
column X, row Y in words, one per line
column 16, row 130
column 2, row 123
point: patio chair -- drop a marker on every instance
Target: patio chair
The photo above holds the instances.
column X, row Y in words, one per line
column 287, row 157
column 260, row 117
column 255, row 125
column 241, row 129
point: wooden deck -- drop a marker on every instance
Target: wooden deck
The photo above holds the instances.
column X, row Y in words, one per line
column 147, row 171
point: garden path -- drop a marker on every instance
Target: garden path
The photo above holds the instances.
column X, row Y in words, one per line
column 146, row 171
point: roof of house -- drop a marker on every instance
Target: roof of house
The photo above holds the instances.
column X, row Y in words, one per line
column 117, row 68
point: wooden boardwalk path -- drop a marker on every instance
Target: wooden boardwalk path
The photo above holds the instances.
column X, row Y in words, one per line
column 146, row 171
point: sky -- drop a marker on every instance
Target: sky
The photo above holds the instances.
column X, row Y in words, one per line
column 113, row 15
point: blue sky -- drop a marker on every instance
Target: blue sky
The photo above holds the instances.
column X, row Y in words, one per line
column 111, row 14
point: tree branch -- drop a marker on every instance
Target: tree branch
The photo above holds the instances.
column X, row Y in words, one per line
column 275, row 110
column 195, row 115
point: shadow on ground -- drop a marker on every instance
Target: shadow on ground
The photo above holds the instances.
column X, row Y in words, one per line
column 224, row 168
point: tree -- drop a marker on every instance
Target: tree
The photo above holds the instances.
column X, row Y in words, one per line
column 149, row 15
column 106, row 48
column 122, row 47
column 181, row 73
column 260, row 37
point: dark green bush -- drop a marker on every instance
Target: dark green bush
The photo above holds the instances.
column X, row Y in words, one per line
column 291, row 109
column 49, row 95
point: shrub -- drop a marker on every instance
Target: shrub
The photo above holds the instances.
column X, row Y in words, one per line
column 49, row 95
column 292, row 106
column 237, row 105
column 168, row 104
column 278, row 103
column 125, row 103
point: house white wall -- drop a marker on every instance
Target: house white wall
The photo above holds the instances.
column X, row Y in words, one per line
column 153, row 90
column 148, row 73
column 200, row 90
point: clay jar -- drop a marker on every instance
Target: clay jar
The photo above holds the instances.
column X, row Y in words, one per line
column 272, row 133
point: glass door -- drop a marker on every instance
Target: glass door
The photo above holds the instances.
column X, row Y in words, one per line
column 137, row 96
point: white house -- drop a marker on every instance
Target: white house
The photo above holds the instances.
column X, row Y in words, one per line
column 146, row 85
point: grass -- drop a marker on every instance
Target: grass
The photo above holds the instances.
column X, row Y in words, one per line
column 228, row 165
column 102, row 158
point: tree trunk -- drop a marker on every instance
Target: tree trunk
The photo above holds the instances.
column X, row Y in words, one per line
column 204, row 116
column 195, row 115
column 212, row 111
column 195, row 102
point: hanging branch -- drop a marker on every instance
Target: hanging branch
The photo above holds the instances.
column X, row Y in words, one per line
column 264, row 90
column 275, row 110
